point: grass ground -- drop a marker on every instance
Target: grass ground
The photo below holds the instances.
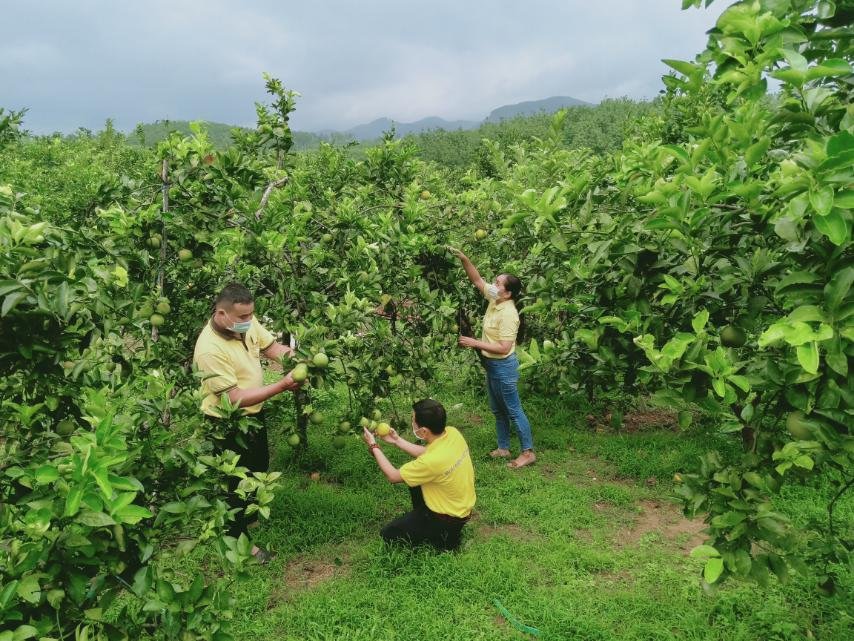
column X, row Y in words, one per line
column 587, row 544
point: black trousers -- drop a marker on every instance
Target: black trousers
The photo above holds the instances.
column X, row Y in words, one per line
column 254, row 451
column 423, row 526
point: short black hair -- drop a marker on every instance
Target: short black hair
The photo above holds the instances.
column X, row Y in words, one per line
column 513, row 285
column 233, row 293
column 430, row 414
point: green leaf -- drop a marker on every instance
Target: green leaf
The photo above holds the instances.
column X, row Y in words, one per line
column 11, row 301
column 822, row 200
column 841, row 143
column 700, row 320
column 804, row 462
column 728, row 519
column 796, row 278
column 739, row 381
column 95, row 519
column 29, row 589
column 837, row 289
column 808, row 356
column 132, row 514
column 8, row 286
column 72, row 501
column 757, row 150
column 844, row 200
column 703, row 551
column 46, row 474
column 713, row 569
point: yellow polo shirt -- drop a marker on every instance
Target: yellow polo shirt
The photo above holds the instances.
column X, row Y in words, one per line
column 445, row 474
column 230, row 362
column 500, row 323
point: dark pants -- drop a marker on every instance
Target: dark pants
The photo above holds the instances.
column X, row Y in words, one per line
column 254, row 451
column 422, row 525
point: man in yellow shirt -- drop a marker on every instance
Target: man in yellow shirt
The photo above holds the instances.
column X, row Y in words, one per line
column 440, row 479
column 228, row 351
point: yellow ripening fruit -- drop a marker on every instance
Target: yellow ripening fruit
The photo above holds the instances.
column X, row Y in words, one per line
column 383, row 429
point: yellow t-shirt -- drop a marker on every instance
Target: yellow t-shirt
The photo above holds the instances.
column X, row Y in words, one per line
column 445, row 474
column 500, row 323
column 230, row 362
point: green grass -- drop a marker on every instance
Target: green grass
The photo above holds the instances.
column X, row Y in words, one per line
column 586, row 545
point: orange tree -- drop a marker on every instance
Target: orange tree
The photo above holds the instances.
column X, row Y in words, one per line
column 709, row 262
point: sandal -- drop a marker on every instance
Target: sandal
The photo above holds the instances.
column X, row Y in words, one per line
column 262, row 556
column 499, row 453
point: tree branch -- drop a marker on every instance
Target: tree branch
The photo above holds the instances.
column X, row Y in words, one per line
column 273, row 185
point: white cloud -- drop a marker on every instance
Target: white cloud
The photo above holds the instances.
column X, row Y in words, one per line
column 353, row 62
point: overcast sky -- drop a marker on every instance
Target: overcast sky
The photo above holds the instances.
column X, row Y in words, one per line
column 77, row 63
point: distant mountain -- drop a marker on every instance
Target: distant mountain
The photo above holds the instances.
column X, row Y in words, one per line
column 149, row 134
column 531, row 107
column 220, row 134
column 376, row 128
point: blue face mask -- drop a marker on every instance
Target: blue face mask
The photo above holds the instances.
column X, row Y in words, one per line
column 241, row 328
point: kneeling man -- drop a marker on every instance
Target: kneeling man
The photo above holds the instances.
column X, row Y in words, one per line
column 440, row 479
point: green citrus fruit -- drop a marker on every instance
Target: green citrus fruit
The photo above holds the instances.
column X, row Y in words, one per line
column 316, row 418
column 184, row 255
column 480, row 234
column 732, row 336
column 65, row 427
column 799, row 426
column 163, row 307
column 364, row 422
column 293, row 440
column 344, row 427
column 376, row 415
column 156, row 320
column 299, row 373
column 320, row 360
column 425, row 195
column 339, row 442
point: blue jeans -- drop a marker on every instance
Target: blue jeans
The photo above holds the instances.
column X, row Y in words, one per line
column 502, row 376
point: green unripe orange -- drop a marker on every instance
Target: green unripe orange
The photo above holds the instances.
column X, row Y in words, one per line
column 732, row 336
column 320, row 360
column 156, row 320
column 799, row 426
column 293, row 440
column 299, row 373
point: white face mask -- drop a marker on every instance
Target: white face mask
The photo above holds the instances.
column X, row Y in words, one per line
column 415, row 434
column 492, row 291
column 241, row 328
